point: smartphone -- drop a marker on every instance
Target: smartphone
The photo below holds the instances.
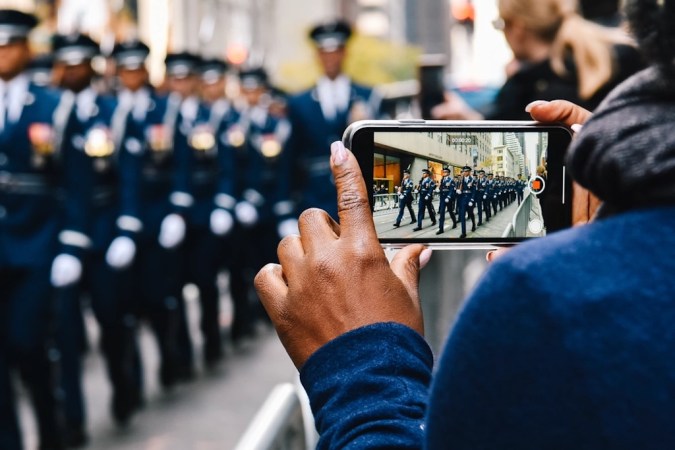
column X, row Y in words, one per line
column 461, row 184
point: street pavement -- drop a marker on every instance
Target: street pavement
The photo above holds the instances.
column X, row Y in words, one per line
column 211, row 412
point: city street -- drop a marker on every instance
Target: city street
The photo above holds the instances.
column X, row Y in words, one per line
column 384, row 223
column 211, row 412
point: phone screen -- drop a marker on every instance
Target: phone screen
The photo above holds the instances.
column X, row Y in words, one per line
column 492, row 185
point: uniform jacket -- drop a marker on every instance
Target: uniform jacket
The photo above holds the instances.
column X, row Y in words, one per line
column 39, row 170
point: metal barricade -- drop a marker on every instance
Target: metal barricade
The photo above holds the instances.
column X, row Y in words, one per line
column 281, row 423
column 518, row 225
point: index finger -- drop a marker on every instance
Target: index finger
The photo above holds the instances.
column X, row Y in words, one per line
column 354, row 211
column 558, row 111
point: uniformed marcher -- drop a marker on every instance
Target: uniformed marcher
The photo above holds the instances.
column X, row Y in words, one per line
column 263, row 204
column 197, row 135
column 447, row 193
column 466, row 190
column 426, row 195
column 153, row 201
column 99, row 133
column 520, row 187
column 320, row 115
column 481, row 195
column 42, row 230
column 405, row 198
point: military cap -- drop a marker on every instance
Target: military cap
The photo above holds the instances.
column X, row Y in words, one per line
column 489, row 174
column 406, row 171
column 40, row 69
column 74, row 49
column 427, row 171
column 181, row 65
column 253, row 78
column 446, row 169
column 332, row 35
column 465, row 168
column 15, row 25
column 481, row 171
column 130, row 54
column 213, row 69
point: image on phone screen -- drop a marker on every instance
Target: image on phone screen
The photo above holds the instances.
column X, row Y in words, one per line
column 467, row 185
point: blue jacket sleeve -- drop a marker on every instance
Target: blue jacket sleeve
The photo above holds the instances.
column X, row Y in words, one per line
column 368, row 388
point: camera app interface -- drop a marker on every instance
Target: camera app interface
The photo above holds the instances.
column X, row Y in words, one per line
column 466, row 185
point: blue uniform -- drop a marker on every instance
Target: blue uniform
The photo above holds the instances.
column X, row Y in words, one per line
column 481, row 198
column 99, row 133
column 154, row 185
column 42, row 213
column 312, row 135
column 447, row 195
column 405, row 199
column 427, row 187
column 466, row 191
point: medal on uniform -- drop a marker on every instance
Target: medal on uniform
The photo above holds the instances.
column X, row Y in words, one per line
column 202, row 139
column 41, row 137
column 159, row 140
column 270, row 147
column 99, row 145
column 236, row 136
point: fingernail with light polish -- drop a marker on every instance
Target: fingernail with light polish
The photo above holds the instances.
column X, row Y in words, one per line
column 339, row 153
column 529, row 107
column 576, row 127
column 425, row 256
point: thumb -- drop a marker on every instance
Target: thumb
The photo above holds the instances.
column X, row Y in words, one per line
column 407, row 264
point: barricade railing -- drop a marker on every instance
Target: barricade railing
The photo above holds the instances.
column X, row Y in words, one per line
column 518, row 225
column 281, row 423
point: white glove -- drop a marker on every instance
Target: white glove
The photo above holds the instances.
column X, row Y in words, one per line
column 447, row 200
column 426, row 197
column 121, row 252
column 288, row 227
column 401, row 196
column 172, row 231
column 221, row 222
column 470, row 204
column 246, row 214
column 485, row 197
column 66, row 270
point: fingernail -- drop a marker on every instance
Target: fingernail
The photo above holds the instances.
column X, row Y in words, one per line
column 425, row 256
column 489, row 256
column 576, row 127
column 339, row 153
column 529, row 107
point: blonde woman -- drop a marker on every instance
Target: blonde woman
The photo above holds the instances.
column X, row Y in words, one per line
column 557, row 55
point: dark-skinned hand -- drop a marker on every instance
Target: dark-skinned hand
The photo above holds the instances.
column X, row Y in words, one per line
column 335, row 278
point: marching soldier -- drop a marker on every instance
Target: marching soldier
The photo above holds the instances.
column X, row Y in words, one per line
column 405, row 198
column 520, row 186
column 447, row 193
column 197, row 136
column 320, row 115
column 43, row 228
column 466, row 192
column 263, row 205
column 487, row 201
column 427, row 187
column 154, row 198
column 98, row 133
column 481, row 196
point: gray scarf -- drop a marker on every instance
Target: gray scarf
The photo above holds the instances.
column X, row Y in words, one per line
column 625, row 154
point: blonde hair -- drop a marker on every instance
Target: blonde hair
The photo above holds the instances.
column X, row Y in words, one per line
column 558, row 22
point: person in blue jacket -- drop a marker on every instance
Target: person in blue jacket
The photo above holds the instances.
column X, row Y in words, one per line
column 320, row 115
column 447, row 194
column 99, row 133
column 427, row 187
column 552, row 349
column 43, row 230
column 405, row 199
column 466, row 192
